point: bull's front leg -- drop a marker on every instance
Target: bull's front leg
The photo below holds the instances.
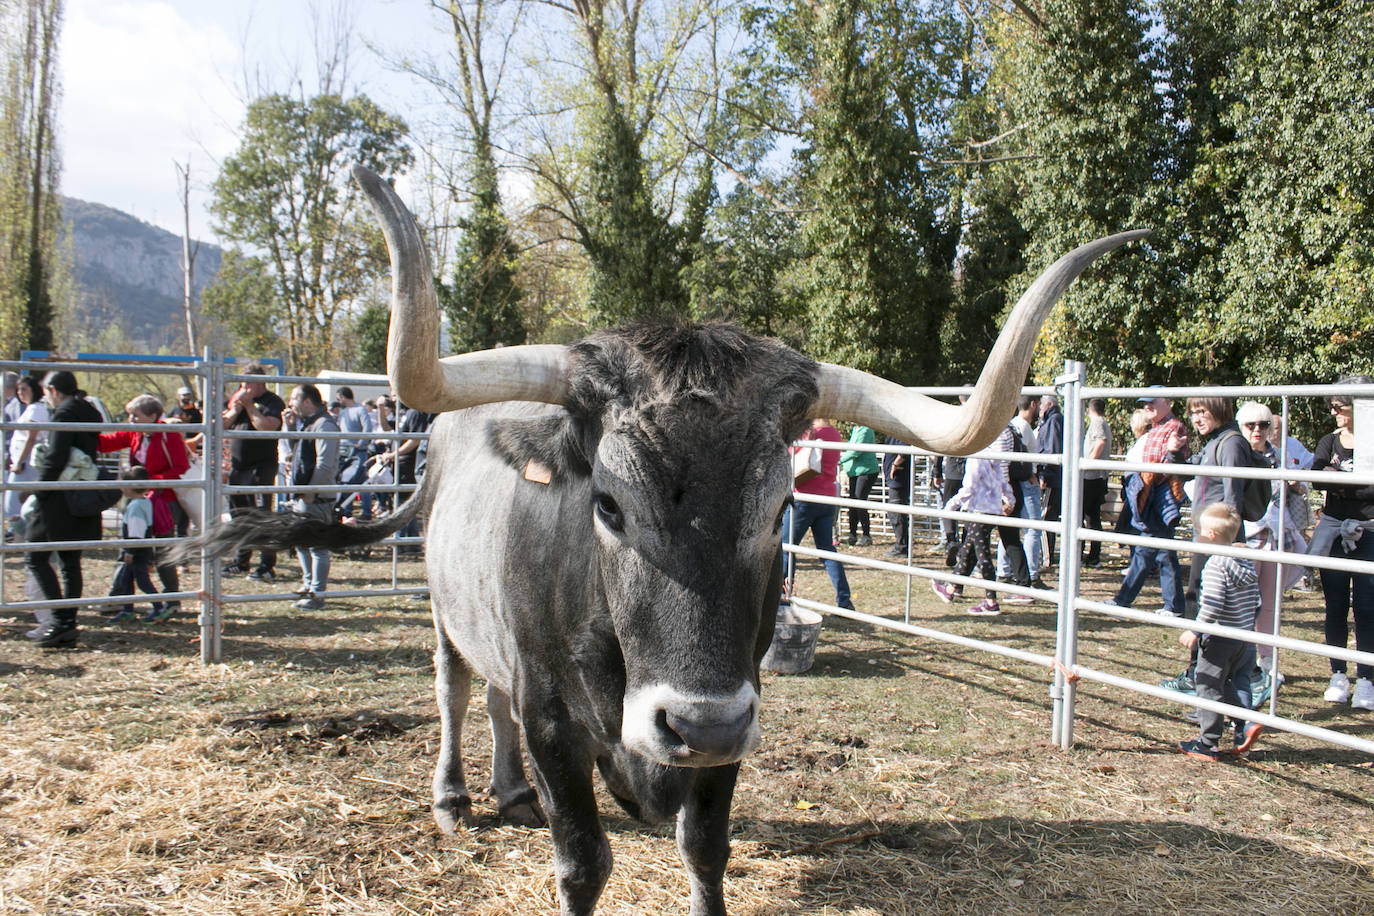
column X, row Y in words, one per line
column 703, row 837
column 452, row 686
column 562, row 770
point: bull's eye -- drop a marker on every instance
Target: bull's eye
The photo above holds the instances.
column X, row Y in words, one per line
column 609, row 512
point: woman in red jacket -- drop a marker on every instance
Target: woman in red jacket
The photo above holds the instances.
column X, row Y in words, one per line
column 165, row 455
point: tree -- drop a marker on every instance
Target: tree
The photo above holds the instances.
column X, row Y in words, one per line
column 1080, row 76
column 878, row 246
column 30, row 212
column 287, row 198
column 1296, row 303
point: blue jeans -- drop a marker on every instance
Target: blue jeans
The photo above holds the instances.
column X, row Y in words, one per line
column 820, row 521
column 1144, row 561
column 1345, row 592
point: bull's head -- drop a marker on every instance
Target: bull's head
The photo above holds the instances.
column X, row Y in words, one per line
column 687, row 491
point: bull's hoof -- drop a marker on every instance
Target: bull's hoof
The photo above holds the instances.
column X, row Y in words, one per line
column 452, row 810
column 523, row 810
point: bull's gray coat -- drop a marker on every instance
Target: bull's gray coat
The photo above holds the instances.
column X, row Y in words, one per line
column 610, row 561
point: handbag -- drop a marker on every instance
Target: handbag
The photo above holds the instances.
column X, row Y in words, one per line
column 191, row 499
column 806, row 464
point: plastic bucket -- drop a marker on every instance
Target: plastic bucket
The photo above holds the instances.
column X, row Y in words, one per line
column 794, row 641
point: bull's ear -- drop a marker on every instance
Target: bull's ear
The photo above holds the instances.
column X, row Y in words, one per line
column 556, row 442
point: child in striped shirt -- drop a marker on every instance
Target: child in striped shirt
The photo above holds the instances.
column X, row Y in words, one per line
column 1229, row 597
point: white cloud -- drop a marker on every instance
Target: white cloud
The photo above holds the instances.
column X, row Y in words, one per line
column 144, row 88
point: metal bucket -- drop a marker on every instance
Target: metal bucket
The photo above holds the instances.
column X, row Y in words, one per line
column 794, row 641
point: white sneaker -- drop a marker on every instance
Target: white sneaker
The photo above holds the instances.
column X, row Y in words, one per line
column 1339, row 691
column 1364, row 694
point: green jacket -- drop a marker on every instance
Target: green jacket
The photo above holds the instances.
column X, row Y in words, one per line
column 856, row 464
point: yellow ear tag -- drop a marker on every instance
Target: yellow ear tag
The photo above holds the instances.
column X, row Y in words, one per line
column 536, row 472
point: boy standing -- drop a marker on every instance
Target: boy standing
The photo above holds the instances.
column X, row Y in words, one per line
column 134, row 562
column 1229, row 597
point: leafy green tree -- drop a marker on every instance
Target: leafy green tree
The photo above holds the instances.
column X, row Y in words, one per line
column 1080, row 76
column 369, row 331
column 244, row 299
column 287, row 198
column 482, row 301
column 635, row 254
column 30, row 209
column 879, row 251
column 748, row 245
column 1298, row 266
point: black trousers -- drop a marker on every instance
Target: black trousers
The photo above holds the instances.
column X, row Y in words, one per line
column 860, row 486
column 254, row 475
column 39, row 564
column 899, row 493
column 1094, row 495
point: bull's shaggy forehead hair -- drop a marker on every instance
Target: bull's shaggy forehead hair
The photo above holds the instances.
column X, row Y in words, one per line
column 718, row 363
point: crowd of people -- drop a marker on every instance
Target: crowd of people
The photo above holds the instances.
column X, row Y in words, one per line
column 331, row 478
column 338, row 461
column 1153, row 504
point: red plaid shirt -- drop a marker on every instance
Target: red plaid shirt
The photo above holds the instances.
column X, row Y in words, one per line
column 1156, row 451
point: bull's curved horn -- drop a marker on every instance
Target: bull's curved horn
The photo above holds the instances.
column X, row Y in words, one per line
column 420, row 378
column 871, row 401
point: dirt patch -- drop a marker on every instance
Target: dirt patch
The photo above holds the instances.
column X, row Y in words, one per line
column 897, row 776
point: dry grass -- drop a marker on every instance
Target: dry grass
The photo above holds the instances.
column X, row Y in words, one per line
column 896, row 777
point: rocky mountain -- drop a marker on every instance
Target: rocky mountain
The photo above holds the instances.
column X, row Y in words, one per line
column 128, row 273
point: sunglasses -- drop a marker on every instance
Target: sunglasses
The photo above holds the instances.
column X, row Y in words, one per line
column 1258, row 424
column 1337, row 406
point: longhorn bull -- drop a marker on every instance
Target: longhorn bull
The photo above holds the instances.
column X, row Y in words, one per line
column 603, row 548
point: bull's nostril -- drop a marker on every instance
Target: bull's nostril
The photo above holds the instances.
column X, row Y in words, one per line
column 667, row 730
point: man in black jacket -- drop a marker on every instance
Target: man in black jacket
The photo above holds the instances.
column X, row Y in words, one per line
column 1049, row 437
column 55, row 522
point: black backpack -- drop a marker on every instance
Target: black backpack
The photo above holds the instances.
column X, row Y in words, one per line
column 1255, row 494
column 1018, row 471
column 86, row 503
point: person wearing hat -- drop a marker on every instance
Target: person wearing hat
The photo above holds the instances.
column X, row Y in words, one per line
column 186, row 409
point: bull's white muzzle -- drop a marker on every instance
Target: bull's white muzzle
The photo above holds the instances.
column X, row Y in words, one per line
column 685, row 730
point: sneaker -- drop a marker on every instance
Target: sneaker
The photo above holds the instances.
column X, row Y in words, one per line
column 124, row 614
column 1039, row 583
column 231, row 569
column 1339, row 689
column 303, row 592
column 1196, row 748
column 851, row 540
column 169, row 610
column 310, row 603
column 56, row 635
column 864, row 541
column 896, row 550
column 1165, row 612
column 1364, row 694
column 944, row 591
column 1018, row 599
column 263, row 574
column 985, row 608
column 1183, row 683
column 154, row 613
column 1246, row 739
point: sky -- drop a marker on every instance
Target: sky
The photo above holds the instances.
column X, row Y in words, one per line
column 148, row 84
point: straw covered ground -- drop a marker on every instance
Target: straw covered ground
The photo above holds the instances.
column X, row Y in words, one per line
column 897, row 776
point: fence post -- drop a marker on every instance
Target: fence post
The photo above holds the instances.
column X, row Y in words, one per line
column 211, row 613
column 1070, row 385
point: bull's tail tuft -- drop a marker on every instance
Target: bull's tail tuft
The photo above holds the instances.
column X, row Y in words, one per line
column 259, row 529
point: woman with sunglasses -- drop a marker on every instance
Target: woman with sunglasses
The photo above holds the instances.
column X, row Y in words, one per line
column 1256, row 425
column 1348, row 513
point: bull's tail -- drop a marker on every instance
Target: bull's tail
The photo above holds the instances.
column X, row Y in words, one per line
column 259, row 529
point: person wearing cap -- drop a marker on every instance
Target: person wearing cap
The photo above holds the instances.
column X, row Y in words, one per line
column 186, row 409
